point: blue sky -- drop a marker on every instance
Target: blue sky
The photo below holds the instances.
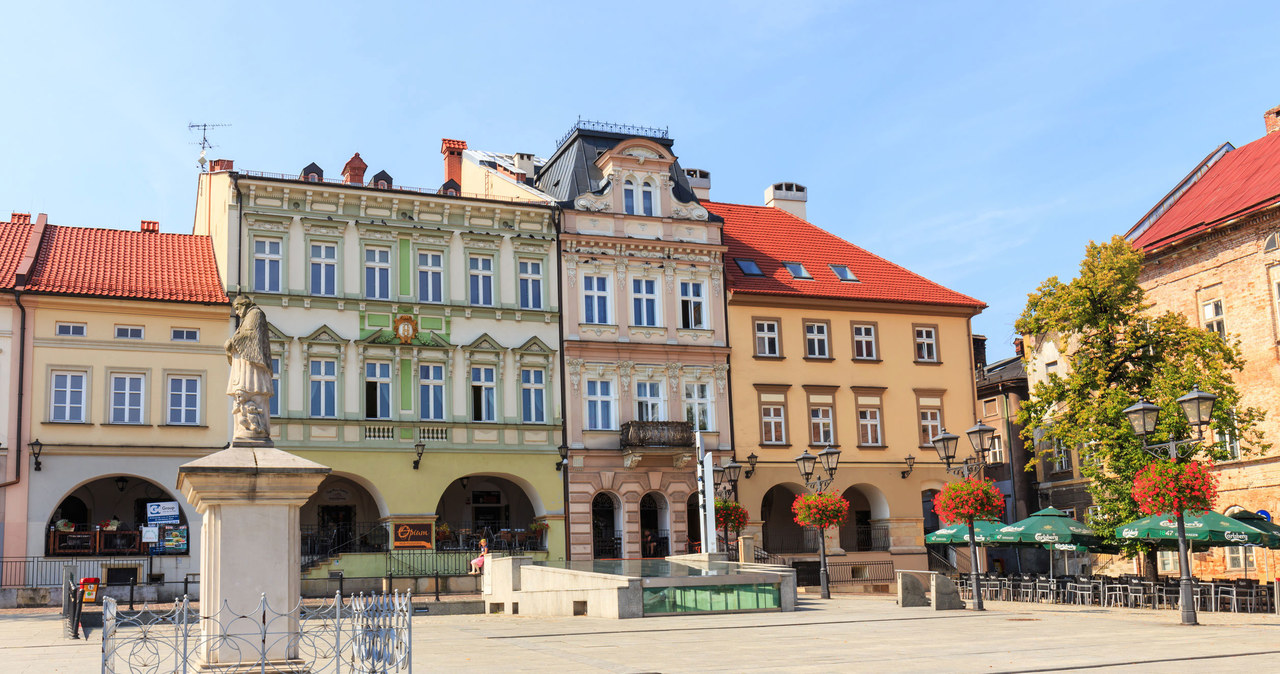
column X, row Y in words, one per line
column 979, row 144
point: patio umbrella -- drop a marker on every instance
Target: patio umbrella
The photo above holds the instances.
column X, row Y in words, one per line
column 958, row 533
column 1261, row 524
column 1204, row 528
column 1049, row 527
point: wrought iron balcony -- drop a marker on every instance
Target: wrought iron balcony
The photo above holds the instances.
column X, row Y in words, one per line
column 657, row 434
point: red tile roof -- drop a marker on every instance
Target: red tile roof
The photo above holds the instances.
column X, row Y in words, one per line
column 130, row 264
column 1241, row 182
column 13, row 243
column 771, row 236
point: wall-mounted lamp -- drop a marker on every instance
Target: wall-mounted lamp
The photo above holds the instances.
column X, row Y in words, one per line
column 421, row 447
column 751, row 466
column 463, row 482
column 911, row 465
column 122, row 483
column 36, row 447
column 564, row 457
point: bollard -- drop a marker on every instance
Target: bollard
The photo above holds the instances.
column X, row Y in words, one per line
column 186, row 586
column 133, row 581
column 437, row 584
column 341, row 577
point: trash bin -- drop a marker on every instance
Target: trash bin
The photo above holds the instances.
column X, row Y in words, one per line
column 90, row 587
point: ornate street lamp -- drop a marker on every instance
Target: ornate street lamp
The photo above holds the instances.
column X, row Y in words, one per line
column 751, row 465
column 122, row 483
column 806, row 462
column 945, row 443
column 911, row 466
column 421, row 447
column 1197, row 406
column 36, row 447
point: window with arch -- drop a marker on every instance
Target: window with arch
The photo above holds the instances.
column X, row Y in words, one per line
column 313, row 178
column 629, row 197
column 647, row 199
column 382, row 184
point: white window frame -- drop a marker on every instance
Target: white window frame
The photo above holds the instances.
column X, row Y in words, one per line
column 190, row 404
column 533, row 395
column 793, row 267
column 698, row 401
column 1061, row 458
column 817, row 340
column 431, row 388
column 767, row 338
column 599, row 400
column 483, row 381
column 773, row 424
column 650, row 401
column 648, row 198
column 268, row 264
column 996, row 453
column 693, row 305
column 926, row 343
column 139, row 408
column 130, row 332
column 277, row 385
column 431, row 276
column 80, row 410
column 1214, row 317
column 864, row 339
column 822, row 427
column 530, row 283
column 323, row 386
column 324, row 269
column 70, row 329
column 629, row 197
column 480, row 280
column 184, row 334
column 929, row 418
column 377, row 272
column 1239, row 558
column 843, row 273
column 378, row 373
column 870, row 430
column 645, row 307
column 597, row 296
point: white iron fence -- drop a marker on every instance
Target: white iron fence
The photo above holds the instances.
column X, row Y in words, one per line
column 361, row 634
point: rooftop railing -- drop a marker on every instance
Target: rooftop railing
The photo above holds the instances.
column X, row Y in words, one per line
column 431, row 191
column 610, row 127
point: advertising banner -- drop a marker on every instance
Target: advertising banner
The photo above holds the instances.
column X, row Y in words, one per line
column 412, row 535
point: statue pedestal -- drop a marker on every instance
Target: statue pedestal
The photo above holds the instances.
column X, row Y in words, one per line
column 251, row 548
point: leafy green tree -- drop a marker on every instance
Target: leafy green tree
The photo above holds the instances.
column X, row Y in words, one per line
column 1118, row 350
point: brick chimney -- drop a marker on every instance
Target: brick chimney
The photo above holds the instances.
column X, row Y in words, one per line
column 353, row 171
column 790, row 197
column 979, row 352
column 222, row 165
column 524, row 164
column 700, row 181
column 20, row 218
column 152, row 226
column 1018, row 348
column 452, row 151
column 1272, row 119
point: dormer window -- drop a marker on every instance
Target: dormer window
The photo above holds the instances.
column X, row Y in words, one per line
column 797, row 270
column 629, row 198
column 842, row 272
column 646, row 197
column 313, row 178
column 382, row 184
column 748, row 267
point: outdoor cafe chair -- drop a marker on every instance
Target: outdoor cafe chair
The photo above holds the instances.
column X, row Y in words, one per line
column 1139, row 594
column 1046, row 588
column 1168, row 593
column 1080, row 590
column 1026, row 588
column 1241, row 592
column 992, row 586
column 1114, row 592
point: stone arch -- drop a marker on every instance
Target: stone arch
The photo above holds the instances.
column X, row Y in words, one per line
column 606, row 525
column 116, row 507
column 655, row 525
column 781, row 533
column 530, row 492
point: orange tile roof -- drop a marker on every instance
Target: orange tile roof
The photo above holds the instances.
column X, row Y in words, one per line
column 771, row 236
column 128, row 264
column 1243, row 181
column 13, row 243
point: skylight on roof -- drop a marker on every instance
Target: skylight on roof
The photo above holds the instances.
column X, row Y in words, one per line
column 748, row 267
column 842, row 272
column 797, row 270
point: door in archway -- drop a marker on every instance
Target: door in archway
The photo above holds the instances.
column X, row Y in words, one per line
column 694, row 522
column 604, row 535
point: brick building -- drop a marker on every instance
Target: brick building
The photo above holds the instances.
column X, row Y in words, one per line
column 1212, row 249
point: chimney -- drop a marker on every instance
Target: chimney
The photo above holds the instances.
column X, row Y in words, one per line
column 353, row 170
column 1272, row 119
column 20, row 218
column 789, row 197
column 1017, row 347
column 222, row 165
column 700, row 181
column 452, row 151
column 524, row 163
column 152, row 226
column 979, row 352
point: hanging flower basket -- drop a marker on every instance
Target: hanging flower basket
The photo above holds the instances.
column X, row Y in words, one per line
column 730, row 514
column 1167, row 487
column 538, row 527
column 968, row 500
column 820, row 510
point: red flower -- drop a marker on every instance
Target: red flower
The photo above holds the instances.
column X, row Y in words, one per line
column 968, row 500
column 1165, row 486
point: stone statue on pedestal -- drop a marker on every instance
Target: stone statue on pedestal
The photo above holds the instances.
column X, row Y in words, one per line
column 249, row 353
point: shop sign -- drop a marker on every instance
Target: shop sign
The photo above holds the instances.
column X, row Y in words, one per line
column 150, row 534
column 162, row 512
column 412, row 535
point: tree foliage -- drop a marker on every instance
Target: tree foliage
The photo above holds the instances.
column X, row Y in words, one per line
column 1119, row 350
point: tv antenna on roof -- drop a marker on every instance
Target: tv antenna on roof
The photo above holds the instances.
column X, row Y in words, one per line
column 204, row 140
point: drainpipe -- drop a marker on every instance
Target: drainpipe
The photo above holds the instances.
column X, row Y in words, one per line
column 22, row 362
column 564, row 418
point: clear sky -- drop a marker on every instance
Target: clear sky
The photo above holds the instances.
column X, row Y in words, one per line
column 981, row 144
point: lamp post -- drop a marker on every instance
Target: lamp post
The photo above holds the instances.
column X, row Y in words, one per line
column 945, row 444
column 726, row 481
column 1197, row 406
column 806, row 462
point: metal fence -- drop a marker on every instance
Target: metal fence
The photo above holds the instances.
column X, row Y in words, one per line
column 358, row 634
column 874, row 537
column 422, row 563
column 47, row 571
column 848, row 573
column 791, row 540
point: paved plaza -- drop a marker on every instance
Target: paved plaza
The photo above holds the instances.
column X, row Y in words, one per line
column 863, row 634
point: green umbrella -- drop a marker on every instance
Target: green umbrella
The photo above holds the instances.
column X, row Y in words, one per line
column 1203, row 527
column 1045, row 527
column 958, row 533
column 1261, row 524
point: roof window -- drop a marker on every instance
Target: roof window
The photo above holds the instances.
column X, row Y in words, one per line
column 748, row 267
column 797, row 270
column 842, row 272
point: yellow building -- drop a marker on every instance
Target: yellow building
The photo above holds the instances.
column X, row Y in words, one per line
column 124, row 381
column 832, row 346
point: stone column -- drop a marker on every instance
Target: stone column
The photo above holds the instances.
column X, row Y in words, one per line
column 249, row 496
